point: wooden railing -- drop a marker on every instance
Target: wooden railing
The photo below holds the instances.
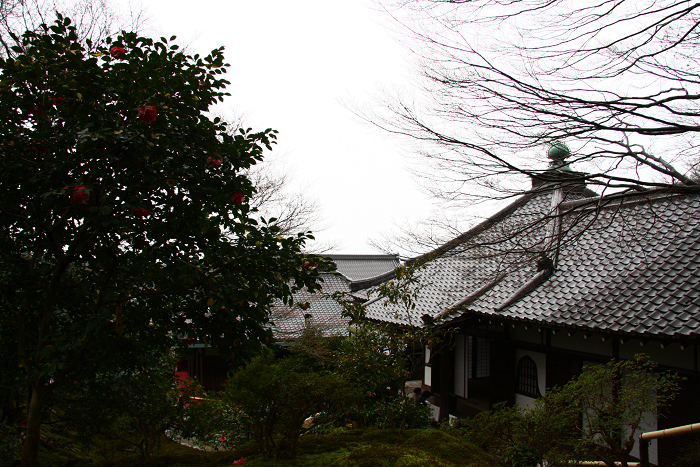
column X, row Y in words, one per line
column 644, row 438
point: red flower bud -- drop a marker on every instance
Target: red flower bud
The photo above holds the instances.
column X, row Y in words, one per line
column 148, row 114
column 141, row 212
column 307, row 265
column 212, row 161
column 304, row 306
column 238, row 198
column 117, row 52
column 80, row 196
column 58, row 101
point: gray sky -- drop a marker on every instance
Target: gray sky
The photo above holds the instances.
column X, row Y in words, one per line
column 293, row 66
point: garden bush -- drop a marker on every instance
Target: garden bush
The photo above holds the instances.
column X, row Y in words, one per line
column 276, row 397
column 10, row 446
column 132, row 410
column 594, row 417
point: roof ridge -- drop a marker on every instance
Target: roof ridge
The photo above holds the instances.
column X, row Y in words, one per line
column 477, row 229
column 360, row 256
column 625, row 198
column 361, row 284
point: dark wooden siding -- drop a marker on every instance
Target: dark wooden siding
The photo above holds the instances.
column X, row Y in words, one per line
column 684, row 411
column 562, row 368
column 502, row 372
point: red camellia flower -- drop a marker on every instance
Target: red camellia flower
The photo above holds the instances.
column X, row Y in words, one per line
column 222, row 438
column 240, row 461
column 148, row 114
column 212, row 161
column 58, row 101
column 117, row 52
column 238, row 198
column 80, row 196
column 141, row 212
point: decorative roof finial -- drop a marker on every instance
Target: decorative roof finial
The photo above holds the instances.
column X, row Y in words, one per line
column 558, row 152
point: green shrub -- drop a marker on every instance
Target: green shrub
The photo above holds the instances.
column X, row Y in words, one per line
column 689, row 457
column 524, row 437
column 277, row 399
column 595, row 416
column 613, row 401
column 391, row 412
column 213, row 424
column 10, row 446
column 132, row 410
column 451, row 449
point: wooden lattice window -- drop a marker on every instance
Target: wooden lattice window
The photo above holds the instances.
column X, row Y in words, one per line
column 526, row 382
column 478, row 360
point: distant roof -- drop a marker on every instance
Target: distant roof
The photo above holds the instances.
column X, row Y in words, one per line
column 325, row 313
column 630, row 267
column 359, row 267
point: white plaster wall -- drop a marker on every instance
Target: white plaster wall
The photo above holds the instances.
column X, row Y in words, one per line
column 523, row 401
column 427, row 371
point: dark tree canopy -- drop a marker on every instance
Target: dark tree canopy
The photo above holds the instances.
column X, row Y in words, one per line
column 124, row 212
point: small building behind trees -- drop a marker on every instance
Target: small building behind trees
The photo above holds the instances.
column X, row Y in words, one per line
column 310, row 309
column 319, row 309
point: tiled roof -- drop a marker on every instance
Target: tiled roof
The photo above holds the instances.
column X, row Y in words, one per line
column 324, row 313
column 359, row 267
column 631, row 267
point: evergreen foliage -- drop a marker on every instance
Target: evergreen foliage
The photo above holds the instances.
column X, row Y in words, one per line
column 124, row 214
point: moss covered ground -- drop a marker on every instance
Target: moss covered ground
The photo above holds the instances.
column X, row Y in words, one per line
column 351, row 448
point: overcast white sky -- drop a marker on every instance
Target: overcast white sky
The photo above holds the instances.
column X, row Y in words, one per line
column 293, row 65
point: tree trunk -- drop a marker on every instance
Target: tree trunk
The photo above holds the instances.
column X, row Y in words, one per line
column 30, row 449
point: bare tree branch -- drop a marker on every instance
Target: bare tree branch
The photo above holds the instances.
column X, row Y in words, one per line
column 94, row 19
column 503, row 80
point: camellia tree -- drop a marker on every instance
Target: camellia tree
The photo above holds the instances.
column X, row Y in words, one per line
column 124, row 213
